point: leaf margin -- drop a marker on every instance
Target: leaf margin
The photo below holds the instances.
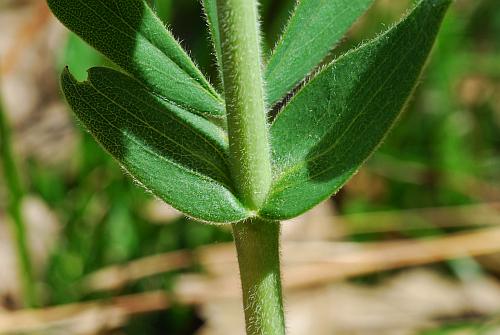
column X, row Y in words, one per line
column 67, row 80
column 267, row 210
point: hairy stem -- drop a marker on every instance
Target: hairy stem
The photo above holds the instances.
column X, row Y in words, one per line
column 257, row 241
column 15, row 194
column 257, row 244
column 244, row 93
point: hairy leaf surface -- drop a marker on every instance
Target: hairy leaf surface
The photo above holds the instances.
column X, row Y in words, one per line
column 129, row 33
column 210, row 8
column 179, row 156
column 336, row 121
column 313, row 30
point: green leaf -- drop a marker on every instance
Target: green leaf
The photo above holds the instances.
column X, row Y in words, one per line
column 177, row 155
column 130, row 34
column 210, row 8
column 314, row 28
column 339, row 118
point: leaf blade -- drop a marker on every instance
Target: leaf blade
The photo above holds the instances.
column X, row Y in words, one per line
column 178, row 156
column 210, row 9
column 339, row 118
column 129, row 34
column 314, row 28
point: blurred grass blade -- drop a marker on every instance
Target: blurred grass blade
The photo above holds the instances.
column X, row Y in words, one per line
column 313, row 30
column 179, row 156
column 210, row 8
column 15, row 195
column 336, row 121
column 130, row 34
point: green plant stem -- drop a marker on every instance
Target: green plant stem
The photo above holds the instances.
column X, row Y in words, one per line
column 257, row 241
column 244, row 93
column 257, row 244
column 15, row 194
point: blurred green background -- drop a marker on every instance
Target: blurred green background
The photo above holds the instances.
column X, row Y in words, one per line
column 445, row 151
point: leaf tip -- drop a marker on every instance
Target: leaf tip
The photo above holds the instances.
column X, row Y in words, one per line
column 67, row 77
